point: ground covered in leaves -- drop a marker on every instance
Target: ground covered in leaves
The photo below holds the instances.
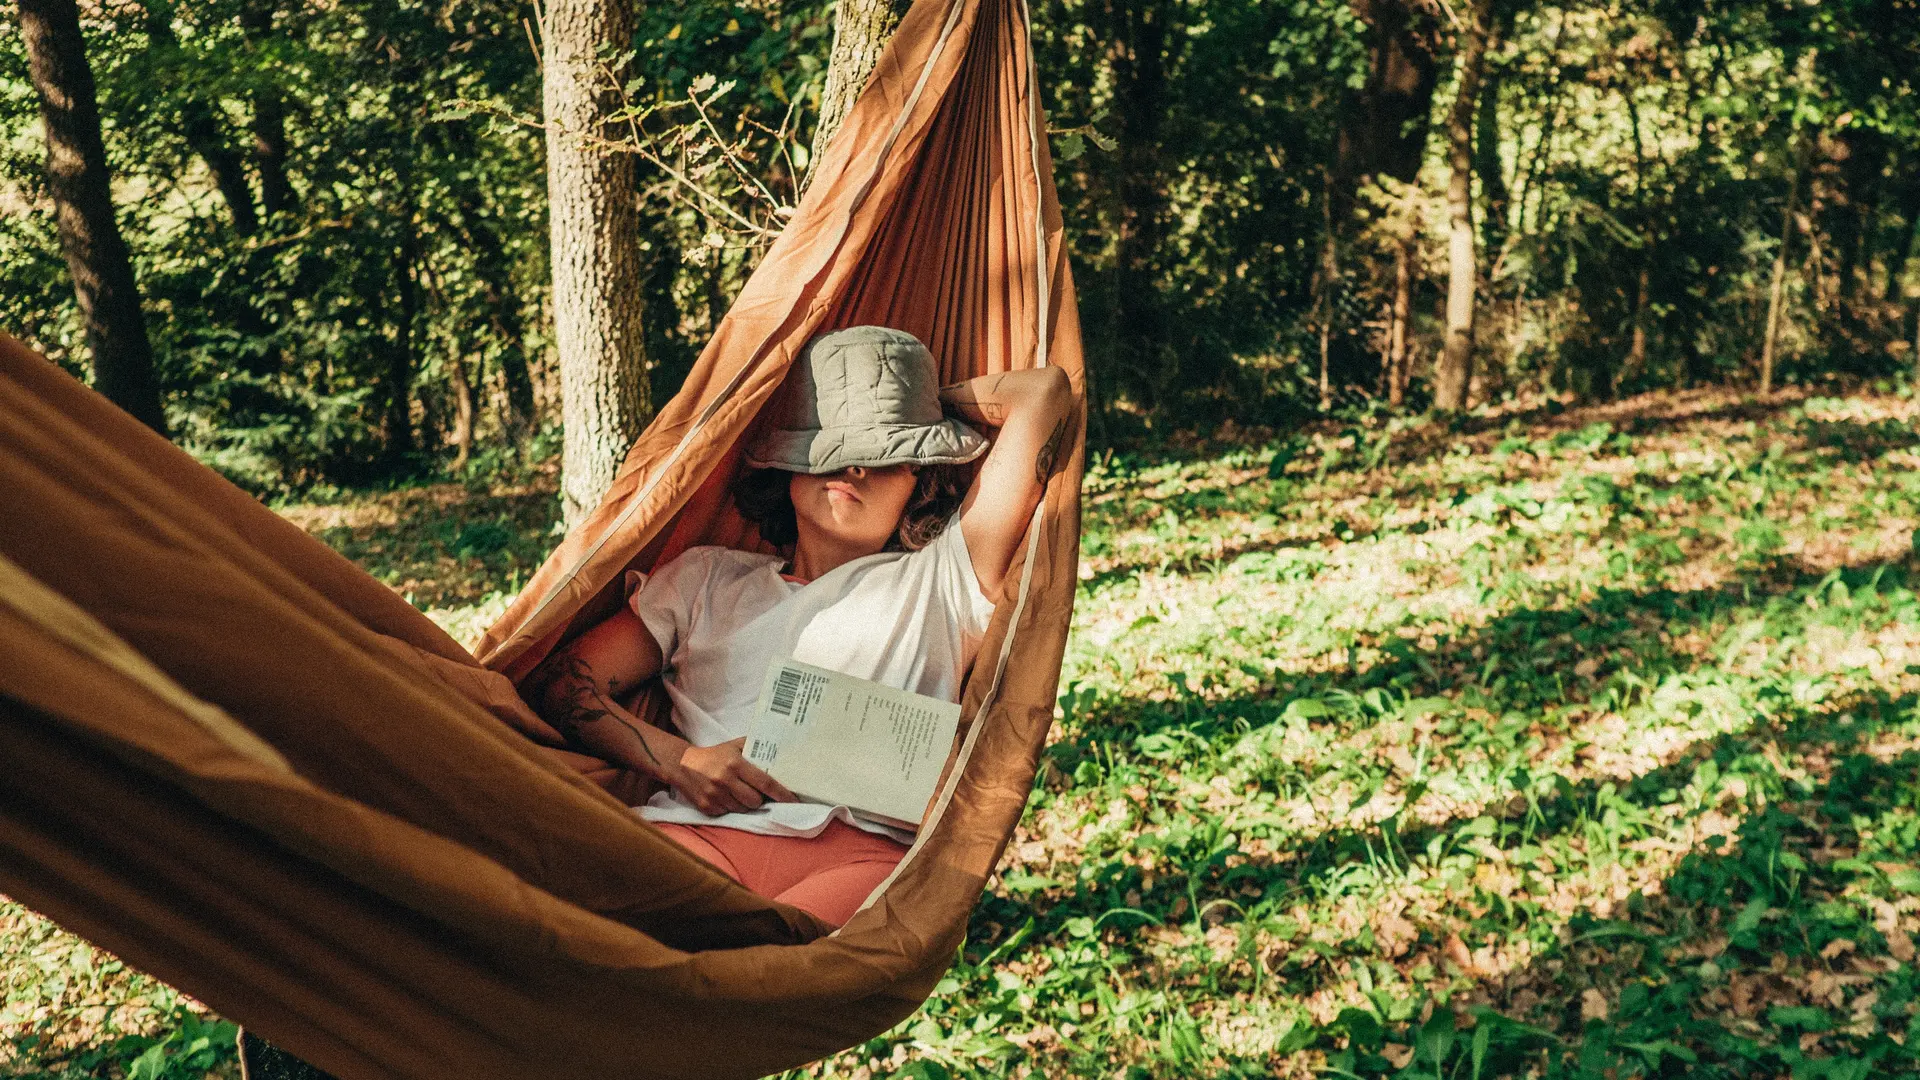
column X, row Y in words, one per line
column 1553, row 743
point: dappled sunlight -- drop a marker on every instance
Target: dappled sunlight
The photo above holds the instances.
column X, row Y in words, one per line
column 1364, row 731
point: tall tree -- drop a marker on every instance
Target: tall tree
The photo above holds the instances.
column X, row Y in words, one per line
column 861, row 30
column 1137, row 42
column 103, row 283
column 594, row 234
column 1454, row 373
column 269, row 115
column 1382, row 132
column 201, row 127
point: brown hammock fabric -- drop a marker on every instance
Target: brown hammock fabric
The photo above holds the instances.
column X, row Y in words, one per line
column 249, row 768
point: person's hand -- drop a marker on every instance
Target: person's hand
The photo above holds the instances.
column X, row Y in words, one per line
column 720, row 780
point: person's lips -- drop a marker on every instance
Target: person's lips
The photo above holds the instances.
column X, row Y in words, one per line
column 842, row 489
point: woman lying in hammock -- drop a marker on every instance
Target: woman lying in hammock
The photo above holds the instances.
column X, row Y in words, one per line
column 885, row 582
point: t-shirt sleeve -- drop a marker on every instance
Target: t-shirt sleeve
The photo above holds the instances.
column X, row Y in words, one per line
column 673, row 597
column 955, row 580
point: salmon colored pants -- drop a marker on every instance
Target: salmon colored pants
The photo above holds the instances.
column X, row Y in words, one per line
column 828, row 876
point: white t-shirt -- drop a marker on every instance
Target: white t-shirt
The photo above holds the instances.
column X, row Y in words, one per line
column 911, row 620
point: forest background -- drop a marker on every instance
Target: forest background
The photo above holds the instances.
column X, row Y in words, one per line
column 337, row 213
column 1496, row 651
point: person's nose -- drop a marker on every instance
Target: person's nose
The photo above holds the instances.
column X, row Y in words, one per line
column 855, row 472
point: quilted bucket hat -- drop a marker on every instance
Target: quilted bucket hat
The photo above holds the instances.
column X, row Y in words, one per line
column 866, row 395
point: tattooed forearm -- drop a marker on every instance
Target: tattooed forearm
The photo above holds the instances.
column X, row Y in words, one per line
column 573, row 701
column 1048, row 459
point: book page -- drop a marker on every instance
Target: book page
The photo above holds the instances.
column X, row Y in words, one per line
column 836, row 739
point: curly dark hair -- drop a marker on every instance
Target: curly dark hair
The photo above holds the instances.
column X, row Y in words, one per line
column 763, row 499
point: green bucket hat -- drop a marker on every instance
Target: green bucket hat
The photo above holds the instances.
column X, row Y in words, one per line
column 867, row 396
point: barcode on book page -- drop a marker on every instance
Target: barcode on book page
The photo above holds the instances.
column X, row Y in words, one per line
column 786, row 688
column 762, row 752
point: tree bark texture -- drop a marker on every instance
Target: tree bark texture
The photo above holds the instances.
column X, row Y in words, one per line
column 861, row 30
column 597, row 300
column 96, row 253
column 1454, row 373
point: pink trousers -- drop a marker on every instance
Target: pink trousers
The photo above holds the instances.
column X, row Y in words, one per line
column 828, row 876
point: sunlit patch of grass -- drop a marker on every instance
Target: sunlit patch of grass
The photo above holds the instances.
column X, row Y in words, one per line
column 1399, row 749
column 68, row 1010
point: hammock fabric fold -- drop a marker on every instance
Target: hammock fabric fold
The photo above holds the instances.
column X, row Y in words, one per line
column 249, row 768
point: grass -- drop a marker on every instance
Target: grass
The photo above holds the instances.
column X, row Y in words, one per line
column 1562, row 743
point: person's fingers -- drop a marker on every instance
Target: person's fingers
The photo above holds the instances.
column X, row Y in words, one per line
column 750, row 799
column 767, row 785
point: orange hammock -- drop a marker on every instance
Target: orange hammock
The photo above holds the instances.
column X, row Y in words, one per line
column 249, row 768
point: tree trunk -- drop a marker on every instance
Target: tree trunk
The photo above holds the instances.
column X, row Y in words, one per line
column 269, row 120
column 1383, row 125
column 1454, row 373
column 201, row 130
column 1487, row 165
column 1902, row 250
column 399, row 416
column 503, row 314
column 97, row 258
column 1777, row 291
column 1636, row 364
column 596, row 258
column 463, row 408
column 1137, row 32
column 1327, row 283
column 861, row 30
column 1402, row 311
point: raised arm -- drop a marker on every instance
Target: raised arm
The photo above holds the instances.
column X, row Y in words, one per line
column 1034, row 411
column 576, row 689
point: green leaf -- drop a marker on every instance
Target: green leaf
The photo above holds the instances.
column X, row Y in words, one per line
column 1361, row 1027
column 150, row 1065
column 1436, row 1037
column 1907, row 881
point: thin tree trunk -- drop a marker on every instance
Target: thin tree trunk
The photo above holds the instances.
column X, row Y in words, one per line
column 1402, row 311
column 1902, row 250
column 861, row 30
column 1776, row 293
column 463, row 408
column 597, row 305
column 1494, row 193
column 400, row 366
column 503, row 313
column 1329, row 282
column 1454, row 373
column 1137, row 58
column 77, row 178
column 269, row 120
column 1636, row 364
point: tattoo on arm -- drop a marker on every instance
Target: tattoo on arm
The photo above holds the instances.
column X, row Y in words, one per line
column 575, row 702
column 1048, row 459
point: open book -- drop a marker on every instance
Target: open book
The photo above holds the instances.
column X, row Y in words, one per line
column 832, row 738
